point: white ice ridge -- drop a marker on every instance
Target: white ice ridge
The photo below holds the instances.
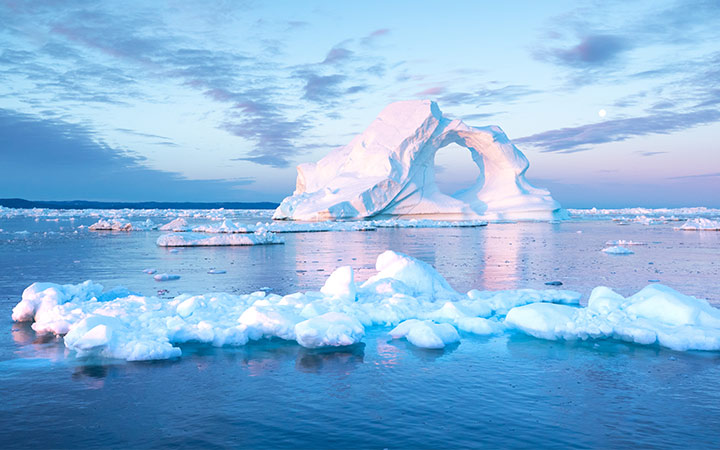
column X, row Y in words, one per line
column 229, row 226
column 389, row 170
column 119, row 224
column 405, row 294
column 198, row 240
column 655, row 315
column 700, row 224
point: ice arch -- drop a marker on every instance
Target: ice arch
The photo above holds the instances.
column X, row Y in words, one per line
column 455, row 170
column 388, row 171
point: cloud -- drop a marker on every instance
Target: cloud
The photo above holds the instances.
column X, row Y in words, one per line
column 431, row 92
column 570, row 140
column 370, row 38
column 591, row 51
column 321, row 88
column 702, row 175
column 337, row 54
column 487, row 96
column 42, row 157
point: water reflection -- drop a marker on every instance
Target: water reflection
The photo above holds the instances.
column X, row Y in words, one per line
column 341, row 360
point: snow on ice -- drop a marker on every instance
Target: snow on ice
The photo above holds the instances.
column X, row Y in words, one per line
column 617, row 250
column 389, row 170
column 700, row 224
column 406, row 294
column 197, row 240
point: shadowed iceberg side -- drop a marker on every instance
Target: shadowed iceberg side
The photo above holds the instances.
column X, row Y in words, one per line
column 389, row 171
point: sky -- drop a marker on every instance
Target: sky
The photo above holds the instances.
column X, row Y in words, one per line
column 614, row 103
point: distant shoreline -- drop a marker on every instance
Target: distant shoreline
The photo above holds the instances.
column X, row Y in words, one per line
column 83, row 204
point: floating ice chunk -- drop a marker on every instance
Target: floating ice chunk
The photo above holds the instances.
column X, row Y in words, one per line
column 39, row 299
column 226, row 226
column 216, row 271
column 110, row 337
column 407, row 289
column 617, row 250
column 542, row 320
column 122, row 225
column 426, row 334
column 656, row 314
column 150, row 271
column 624, row 242
column 166, row 277
column 193, row 240
column 341, row 284
column 489, row 303
column 419, row 276
column 332, row 329
column 700, row 224
column 179, row 224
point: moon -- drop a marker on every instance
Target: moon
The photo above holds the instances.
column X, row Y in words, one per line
column 602, row 113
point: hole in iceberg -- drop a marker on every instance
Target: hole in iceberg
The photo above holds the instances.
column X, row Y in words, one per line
column 455, row 170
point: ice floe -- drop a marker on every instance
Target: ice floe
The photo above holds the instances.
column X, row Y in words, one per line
column 122, row 225
column 197, row 240
column 700, row 224
column 655, row 315
column 406, row 295
column 179, row 224
column 618, row 250
column 166, row 277
column 624, row 242
column 426, row 334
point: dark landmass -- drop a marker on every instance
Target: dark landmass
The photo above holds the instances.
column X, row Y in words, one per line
column 82, row 204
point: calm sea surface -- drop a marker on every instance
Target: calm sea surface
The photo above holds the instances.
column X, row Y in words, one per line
column 508, row 391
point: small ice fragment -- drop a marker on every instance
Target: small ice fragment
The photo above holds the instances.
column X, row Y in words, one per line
column 426, row 333
column 166, row 277
column 216, row 271
column 150, row 271
column 617, row 250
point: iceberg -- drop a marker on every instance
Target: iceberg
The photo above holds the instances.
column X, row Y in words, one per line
column 389, row 171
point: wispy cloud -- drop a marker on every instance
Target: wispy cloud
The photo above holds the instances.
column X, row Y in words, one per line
column 569, row 140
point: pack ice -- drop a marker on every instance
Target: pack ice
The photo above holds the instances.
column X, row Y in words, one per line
column 406, row 295
column 389, row 170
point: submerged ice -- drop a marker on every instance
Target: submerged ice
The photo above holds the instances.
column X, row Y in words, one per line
column 406, row 295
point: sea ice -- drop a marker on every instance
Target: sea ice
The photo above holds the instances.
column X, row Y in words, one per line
column 122, row 225
column 332, row 329
column 656, row 314
column 407, row 295
column 700, row 224
column 179, row 224
column 195, row 240
column 166, row 277
column 624, row 242
column 426, row 334
column 617, row 250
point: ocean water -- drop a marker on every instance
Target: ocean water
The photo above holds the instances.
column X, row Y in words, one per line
column 508, row 391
